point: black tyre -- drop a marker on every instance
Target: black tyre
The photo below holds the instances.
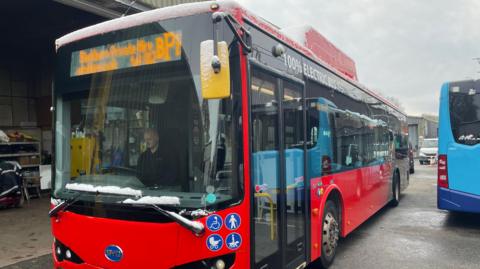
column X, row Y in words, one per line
column 21, row 201
column 330, row 233
column 395, row 190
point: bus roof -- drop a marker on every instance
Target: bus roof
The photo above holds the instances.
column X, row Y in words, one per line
column 135, row 20
column 322, row 48
column 237, row 11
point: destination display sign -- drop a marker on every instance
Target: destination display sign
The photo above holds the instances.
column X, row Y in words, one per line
column 152, row 49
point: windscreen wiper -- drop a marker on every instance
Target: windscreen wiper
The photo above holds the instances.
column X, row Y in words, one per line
column 194, row 226
column 68, row 202
column 64, row 205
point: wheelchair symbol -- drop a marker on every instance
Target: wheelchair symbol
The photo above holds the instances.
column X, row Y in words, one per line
column 214, row 223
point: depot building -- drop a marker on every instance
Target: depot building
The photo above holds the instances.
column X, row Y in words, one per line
column 29, row 29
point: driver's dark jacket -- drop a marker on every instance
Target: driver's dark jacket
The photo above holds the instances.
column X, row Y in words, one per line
column 153, row 169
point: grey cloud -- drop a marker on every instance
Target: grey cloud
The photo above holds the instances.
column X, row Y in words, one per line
column 405, row 48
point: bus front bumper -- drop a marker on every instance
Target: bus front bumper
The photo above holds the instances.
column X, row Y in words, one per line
column 457, row 201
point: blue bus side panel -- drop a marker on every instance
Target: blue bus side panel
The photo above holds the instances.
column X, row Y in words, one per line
column 458, row 201
column 316, row 153
column 464, row 168
column 266, row 169
column 444, row 135
column 444, row 129
column 324, row 145
column 463, row 161
column 294, row 176
column 294, row 167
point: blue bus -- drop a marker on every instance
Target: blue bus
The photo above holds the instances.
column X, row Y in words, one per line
column 459, row 147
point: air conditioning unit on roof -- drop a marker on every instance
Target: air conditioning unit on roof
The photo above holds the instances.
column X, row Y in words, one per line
column 323, row 49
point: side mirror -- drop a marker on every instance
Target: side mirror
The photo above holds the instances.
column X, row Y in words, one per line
column 214, row 70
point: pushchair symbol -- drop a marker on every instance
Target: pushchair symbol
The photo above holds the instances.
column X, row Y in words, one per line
column 214, row 242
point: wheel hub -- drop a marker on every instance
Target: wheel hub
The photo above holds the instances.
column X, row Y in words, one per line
column 330, row 234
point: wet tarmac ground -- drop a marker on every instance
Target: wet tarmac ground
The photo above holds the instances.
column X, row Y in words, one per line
column 25, row 232
column 413, row 235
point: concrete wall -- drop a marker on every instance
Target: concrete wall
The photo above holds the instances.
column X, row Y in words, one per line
column 413, row 137
column 431, row 129
column 420, row 128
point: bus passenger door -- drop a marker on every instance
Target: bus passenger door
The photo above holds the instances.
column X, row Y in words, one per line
column 277, row 137
column 265, row 175
column 293, row 175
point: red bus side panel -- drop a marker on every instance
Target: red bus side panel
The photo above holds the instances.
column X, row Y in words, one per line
column 362, row 191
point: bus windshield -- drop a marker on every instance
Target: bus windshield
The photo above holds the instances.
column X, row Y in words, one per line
column 131, row 124
column 465, row 115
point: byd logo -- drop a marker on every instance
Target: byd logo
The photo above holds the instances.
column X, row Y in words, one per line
column 113, row 253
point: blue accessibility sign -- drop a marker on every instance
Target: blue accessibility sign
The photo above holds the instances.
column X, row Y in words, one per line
column 214, row 222
column 233, row 241
column 233, row 221
column 214, row 242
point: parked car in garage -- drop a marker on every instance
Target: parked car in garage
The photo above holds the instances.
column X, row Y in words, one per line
column 11, row 194
column 428, row 151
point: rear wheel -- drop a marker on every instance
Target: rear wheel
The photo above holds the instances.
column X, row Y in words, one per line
column 396, row 190
column 330, row 233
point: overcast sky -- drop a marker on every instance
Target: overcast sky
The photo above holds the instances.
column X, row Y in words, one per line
column 402, row 48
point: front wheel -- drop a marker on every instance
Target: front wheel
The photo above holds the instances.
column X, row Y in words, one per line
column 330, row 233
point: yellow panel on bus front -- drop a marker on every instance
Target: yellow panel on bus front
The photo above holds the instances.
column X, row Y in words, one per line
column 82, row 153
column 152, row 49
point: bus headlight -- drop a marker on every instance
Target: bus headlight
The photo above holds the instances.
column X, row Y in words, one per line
column 62, row 253
column 68, row 254
column 220, row 264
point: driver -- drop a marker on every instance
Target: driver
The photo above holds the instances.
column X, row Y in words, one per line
column 153, row 169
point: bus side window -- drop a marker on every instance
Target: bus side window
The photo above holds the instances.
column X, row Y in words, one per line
column 348, row 136
column 313, row 135
column 312, row 125
column 398, row 141
column 320, row 142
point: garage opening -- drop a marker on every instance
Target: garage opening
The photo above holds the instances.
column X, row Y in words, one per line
column 28, row 29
